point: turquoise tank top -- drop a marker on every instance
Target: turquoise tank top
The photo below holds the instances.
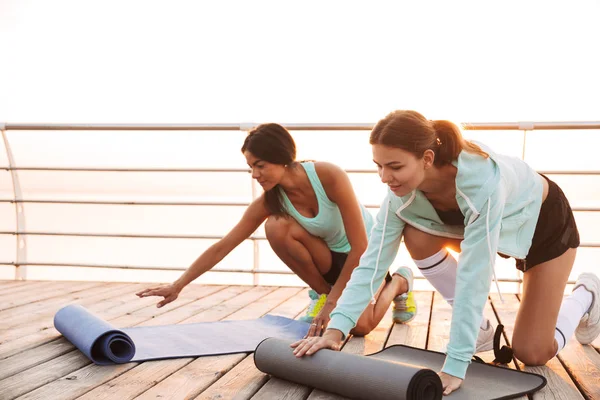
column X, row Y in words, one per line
column 327, row 224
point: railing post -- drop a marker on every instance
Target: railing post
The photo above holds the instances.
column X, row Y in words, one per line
column 21, row 250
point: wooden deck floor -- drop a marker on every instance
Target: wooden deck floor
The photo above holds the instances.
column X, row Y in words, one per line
column 37, row 363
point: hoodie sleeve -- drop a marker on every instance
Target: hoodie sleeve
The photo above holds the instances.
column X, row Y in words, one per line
column 372, row 268
column 475, row 270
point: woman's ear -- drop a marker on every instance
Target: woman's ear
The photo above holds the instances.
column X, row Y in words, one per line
column 428, row 158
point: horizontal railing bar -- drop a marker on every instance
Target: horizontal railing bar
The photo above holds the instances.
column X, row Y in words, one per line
column 110, row 169
column 242, row 271
column 520, row 125
column 124, row 235
column 148, row 236
column 229, row 170
column 182, row 127
column 129, row 203
column 530, row 125
column 199, row 203
column 138, row 267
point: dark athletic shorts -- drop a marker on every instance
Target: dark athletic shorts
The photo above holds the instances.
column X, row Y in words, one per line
column 555, row 232
column 337, row 264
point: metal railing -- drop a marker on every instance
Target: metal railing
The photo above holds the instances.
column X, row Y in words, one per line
column 18, row 200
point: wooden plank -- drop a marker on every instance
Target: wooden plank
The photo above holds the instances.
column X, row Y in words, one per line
column 25, row 288
column 46, row 293
column 121, row 300
column 77, row 381
column 115, row 304
column 11, row 286
column 29, row 358
column 203, row 372
column 560, row 385
column 439, row 326
column 32, row 334
column 583, row 364
column 5, row 283
column 193, row 378
column 32, row 312
column 244, row 380
column 278, row 388
column 414, row 333
column 25, row 381
column 122, row 387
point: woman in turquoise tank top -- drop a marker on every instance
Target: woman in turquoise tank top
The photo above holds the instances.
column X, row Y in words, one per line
column 314, row 224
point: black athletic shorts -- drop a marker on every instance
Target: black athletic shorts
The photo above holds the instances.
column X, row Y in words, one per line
column 337, row 264
column 555, row 231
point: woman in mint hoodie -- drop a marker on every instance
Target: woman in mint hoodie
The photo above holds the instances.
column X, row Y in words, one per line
column 445, row 191
column 314, row 223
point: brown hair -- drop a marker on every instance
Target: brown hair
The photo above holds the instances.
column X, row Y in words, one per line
column 274, row 144
column 412, row 132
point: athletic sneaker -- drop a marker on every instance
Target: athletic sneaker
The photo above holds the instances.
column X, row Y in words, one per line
column 405, row 307
column 485, row 339
column 314, row 307
column 589, row 326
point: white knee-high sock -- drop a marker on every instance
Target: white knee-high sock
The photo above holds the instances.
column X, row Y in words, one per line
column 571, row 311
column 440, row 270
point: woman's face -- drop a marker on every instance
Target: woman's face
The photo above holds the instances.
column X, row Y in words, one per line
column 401, row 170
column 266, row 174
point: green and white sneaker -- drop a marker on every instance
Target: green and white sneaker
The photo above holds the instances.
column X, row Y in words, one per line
column 314, row 307
column 405, row 307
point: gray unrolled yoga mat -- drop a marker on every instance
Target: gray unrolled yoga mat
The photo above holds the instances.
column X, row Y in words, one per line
column 397, row 372
column 104, row 344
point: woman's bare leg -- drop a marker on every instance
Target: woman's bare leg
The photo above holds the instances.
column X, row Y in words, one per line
column 306, row 255
column 543, row 289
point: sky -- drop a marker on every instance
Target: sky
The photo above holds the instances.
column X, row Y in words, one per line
column 179, row 61
column 148, row 61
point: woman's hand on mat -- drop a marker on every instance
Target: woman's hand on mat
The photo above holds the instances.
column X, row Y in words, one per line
column 332, row 339
column 169, row 292
column 449, row 383
column 320, row 322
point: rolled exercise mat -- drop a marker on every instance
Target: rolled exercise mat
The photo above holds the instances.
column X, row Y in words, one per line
column 397, row 372
column 349, row 375
column 104, row 344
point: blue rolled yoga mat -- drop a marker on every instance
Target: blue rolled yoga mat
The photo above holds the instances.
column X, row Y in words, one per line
column 104, row 344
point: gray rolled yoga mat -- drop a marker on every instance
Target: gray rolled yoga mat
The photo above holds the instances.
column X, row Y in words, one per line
column 397, row 372
column 104, row 344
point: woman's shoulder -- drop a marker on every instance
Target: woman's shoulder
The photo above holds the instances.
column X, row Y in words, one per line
column 477, row 176
column 327, row 171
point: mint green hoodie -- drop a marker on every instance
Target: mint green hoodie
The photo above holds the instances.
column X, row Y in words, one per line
column 500, row 197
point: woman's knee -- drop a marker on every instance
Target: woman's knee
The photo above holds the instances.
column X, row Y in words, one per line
column 363, row 327
column 277, row 229
column 533, row 353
